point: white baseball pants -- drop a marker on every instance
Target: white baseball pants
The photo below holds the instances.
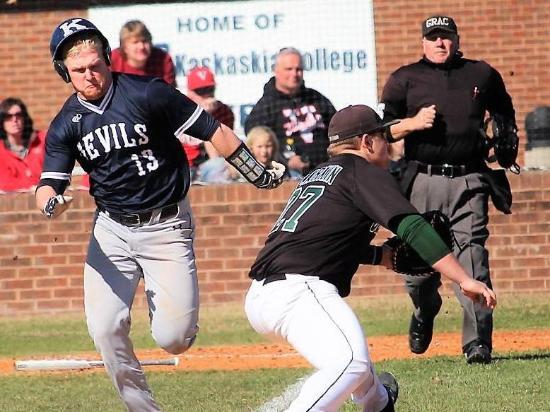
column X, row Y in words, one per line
column 319, row 324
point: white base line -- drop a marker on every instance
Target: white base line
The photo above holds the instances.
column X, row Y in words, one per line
column 283, row 401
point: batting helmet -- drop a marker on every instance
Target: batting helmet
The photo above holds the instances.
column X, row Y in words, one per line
column 68, row 30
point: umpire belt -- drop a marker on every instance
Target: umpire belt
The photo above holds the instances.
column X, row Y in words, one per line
column 446, row 170
column 144, row 218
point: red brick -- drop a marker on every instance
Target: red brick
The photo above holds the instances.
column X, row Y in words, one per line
column 216, row 253
column 16, row 284
column 35, row 294
column 51, row 282
column 52, row 304
column 68, row 293
column 34, row 272
column 7, row 295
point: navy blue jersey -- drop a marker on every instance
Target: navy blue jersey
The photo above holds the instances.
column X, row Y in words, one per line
column 127, row 143
column 329, row 221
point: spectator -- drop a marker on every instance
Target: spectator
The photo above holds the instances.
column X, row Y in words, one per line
column 298, row 115
column 137, row 55
column 21, row 147
column 263, row 144
column 205, row 163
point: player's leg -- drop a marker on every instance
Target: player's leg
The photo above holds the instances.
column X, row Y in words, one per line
column 313, row 318
column 165, row 252
column 426, row 195
column 110, row 281
column 470, row 219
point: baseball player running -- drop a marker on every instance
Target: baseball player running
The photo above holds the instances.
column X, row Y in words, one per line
column 315, row 247
column 123, row 131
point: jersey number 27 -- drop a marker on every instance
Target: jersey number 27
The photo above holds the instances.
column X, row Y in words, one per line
column 308, row 197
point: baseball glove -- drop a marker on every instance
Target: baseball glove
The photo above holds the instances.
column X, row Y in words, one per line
column 504, row 142
column 405, row 259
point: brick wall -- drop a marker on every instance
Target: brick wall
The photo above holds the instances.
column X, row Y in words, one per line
column 41, row 261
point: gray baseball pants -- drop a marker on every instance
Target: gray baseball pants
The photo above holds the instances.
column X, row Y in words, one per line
column 465, row 202
column 118, row 257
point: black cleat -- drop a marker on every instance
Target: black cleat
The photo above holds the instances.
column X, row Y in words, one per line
column 478, row 353
column 420, row 335
column 391, row 385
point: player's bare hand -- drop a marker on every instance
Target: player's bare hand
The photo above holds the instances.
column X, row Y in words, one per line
column 56, row 205
column 425, row 117
column 479, row 292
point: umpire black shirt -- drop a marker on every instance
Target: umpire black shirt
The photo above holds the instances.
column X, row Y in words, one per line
column 462, row 91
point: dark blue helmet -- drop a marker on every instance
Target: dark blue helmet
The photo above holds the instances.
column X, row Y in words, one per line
column 67, row 30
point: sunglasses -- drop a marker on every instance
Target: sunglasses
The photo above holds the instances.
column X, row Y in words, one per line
column 11, row 116
column 439, row 35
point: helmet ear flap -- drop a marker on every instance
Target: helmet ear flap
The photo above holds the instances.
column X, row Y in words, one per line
column 106, row 50
column 61, row 69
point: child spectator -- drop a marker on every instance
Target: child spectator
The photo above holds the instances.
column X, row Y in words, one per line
column 262, row 142
column 21, row 147
column 137, row 55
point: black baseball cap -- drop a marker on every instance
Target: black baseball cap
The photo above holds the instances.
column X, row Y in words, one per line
column 354, row 121
column 442, row 23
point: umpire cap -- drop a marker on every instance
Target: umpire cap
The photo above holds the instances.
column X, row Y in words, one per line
column 354, row 121
column 441, row 23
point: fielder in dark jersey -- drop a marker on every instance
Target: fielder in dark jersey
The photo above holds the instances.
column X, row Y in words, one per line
column 313, row 251
column 123, row 130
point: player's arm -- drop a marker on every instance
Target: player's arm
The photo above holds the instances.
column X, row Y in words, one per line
column 56, row 175
column 227, row 144
column 50, row 203
column 185, row 116
column 414, row 230
column 394, row 99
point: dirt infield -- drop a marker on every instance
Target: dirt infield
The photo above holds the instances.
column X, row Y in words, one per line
column 283, row 356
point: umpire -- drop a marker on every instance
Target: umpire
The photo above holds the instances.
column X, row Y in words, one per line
column 442, row 101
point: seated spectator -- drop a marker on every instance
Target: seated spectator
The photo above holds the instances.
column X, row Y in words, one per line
column 21, row 147
column 204, row 161
column 137, row 55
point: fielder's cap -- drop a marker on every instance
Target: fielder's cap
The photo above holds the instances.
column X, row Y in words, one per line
column 442, row 23
column 354, row 121
column 200, row 77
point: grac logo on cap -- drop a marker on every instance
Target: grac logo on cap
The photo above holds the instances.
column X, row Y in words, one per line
column 437, row 21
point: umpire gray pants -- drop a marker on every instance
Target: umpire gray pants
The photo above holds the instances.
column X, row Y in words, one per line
column 465, row 202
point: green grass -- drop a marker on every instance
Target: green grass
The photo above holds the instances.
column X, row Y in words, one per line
column 227, row 324
column 514, row 382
